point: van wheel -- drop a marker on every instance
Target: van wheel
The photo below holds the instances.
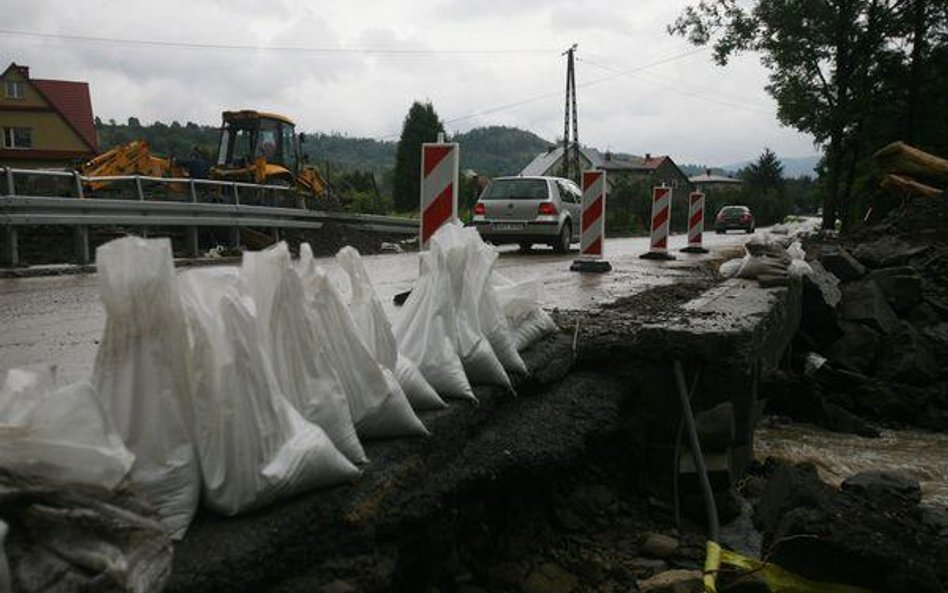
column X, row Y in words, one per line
column 562, row 243
column 526, row 247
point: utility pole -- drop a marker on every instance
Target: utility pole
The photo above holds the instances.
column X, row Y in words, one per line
column 570, row 145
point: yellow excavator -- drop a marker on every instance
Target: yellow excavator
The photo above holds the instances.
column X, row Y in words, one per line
column 259, row 147
column 254, row 147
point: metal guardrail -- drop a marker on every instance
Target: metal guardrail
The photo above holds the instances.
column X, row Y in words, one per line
column 194, row 209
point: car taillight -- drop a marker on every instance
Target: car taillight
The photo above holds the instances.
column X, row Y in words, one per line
column 479, row 209
column 547, row 208
column 745, row 217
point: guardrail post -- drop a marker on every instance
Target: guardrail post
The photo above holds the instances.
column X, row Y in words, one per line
column 276, row 234
column 11, row 187
column 194, row 247
column 235, row 237
column 138, row 186
column 194, row 195
column 82, row 244
column 11, row 248
column 78, row 179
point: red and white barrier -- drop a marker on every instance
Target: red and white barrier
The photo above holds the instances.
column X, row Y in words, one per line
column 661, row 216
column 592, row 224
column 695, row 223
column 439, row 187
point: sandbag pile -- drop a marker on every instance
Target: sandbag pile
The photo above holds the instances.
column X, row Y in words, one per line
column 769, row 260
column 234, row 387
column 67, row 520
column 463, row 323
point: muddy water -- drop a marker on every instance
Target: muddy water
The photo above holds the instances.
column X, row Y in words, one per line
column 837, row 456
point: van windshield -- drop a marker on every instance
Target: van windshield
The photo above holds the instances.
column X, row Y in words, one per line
column 516, row 189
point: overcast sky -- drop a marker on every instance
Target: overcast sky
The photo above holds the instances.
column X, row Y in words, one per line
column 363, row 62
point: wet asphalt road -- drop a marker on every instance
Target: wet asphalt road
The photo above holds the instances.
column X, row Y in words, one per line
column 59, row 319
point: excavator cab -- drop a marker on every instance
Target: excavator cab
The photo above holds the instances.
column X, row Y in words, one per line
column 247, row 135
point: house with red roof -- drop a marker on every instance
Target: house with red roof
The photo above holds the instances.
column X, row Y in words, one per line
column 656, row 169
column 44, row 123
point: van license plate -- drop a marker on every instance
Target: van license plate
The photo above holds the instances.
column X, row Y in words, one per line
column 508, row 226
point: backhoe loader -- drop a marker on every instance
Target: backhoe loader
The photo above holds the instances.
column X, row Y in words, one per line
column 254, row 147
column 260, row 147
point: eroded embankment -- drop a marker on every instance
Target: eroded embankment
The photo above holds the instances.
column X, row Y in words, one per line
column 543, row 491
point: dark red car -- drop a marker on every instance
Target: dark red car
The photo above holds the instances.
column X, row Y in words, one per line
column 734, row 217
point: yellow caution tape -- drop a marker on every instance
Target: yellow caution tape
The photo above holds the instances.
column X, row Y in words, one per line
column 777, row 579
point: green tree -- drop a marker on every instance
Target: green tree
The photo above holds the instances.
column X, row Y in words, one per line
column 764, row 175
column 421, row 125
column 839, row 70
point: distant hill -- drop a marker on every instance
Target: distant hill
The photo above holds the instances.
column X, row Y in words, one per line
column 336, row 150
column 498, row 150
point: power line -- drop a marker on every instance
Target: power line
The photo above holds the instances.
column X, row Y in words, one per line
column 542, row 96
column 698, row 94
column 283, row 49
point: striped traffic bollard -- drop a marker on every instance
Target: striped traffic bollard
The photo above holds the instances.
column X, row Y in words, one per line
column 695, row 223
column 661, row 215
column 592, row 225
column 439, row 187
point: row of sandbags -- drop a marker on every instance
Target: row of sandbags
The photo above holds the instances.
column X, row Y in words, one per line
column 238, row 386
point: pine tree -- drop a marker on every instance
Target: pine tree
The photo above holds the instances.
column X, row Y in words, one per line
column 766, row 174
column 421, row 125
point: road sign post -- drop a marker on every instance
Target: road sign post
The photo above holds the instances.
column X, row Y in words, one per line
column 661, row 216
column 695, row 223
column 592, row 225
column 439, row 187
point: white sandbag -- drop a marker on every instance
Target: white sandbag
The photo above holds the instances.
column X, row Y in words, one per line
column 141, row 373
column 520, row 302
column 493, row 322
column 466, row 281
column 254, row 447
column 766, row 259
column 378, row 405
column 729, row 268
column 376, row 332
column 425, row 333
column 421, row 395
column 58, row 433
column 69, row 538
column 799, row 268
column 307, row 260
column 300, row 363
column 795, row 250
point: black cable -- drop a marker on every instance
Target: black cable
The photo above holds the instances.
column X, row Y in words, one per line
column 701, row 469
column 291, row 49
column 676, row 502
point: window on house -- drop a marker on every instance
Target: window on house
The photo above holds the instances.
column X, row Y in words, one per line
column 13, row 89
column 18, row 137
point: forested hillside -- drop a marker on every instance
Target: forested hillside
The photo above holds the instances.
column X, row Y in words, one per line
column 490, row 151
column 498, row 150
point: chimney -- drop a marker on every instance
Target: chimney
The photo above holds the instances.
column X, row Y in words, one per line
column 608, row 155
column 648, row 156
column 707, row 172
